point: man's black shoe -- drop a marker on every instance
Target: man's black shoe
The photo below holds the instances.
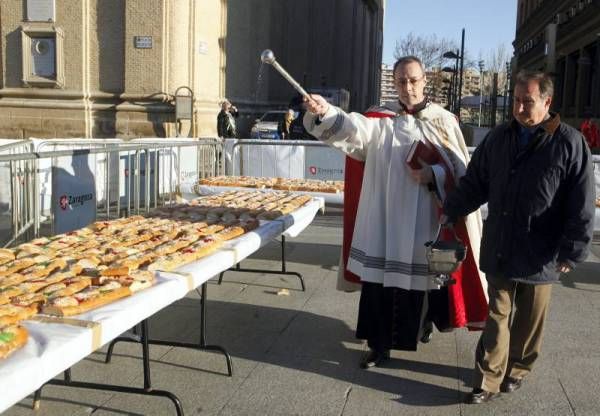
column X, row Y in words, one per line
column 510, row 384
column 373, row 358
column 478, row 396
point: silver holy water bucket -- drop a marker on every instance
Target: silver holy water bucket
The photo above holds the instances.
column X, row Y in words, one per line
column 444, row 257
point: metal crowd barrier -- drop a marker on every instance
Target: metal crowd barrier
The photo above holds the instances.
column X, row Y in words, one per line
column 133, row 177
column 16, row 192
column 208, row 150
column 126, row 187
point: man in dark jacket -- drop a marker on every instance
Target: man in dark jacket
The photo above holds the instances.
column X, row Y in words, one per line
column 536, row 175
column 226, row 120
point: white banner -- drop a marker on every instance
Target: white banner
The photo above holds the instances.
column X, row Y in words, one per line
column 5, row 204
column 273, row 161
column 5, row 193
column 98, row 168
column 324, row 163
column 188, row 164
column 229, row 156
column 294, row 159
column 73, row 192
column 132, row 186
column 597, row 178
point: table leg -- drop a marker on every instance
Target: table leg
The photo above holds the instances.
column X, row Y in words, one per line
column 146, row 390
column 283, row 270
column 200, row 346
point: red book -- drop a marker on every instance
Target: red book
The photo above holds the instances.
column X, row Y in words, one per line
column 424, row 151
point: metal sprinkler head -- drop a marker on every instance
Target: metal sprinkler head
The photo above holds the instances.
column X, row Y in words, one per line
column 267, row 56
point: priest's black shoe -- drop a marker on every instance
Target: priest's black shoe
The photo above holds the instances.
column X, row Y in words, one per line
column 427, row 332
column 373, row 358
column 478, row 396
column 510, row 384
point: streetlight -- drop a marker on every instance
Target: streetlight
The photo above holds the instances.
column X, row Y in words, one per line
column 454, row 71
column 461, row 57
column 504, row 109
column 481, row 66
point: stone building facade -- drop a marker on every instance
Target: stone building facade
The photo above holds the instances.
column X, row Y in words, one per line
column 96, row 68
column 117, row 65
column 563, row 37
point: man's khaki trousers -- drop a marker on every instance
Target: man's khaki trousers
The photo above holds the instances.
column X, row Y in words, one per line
column 509, row 347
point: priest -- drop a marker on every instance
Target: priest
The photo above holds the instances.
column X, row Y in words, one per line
column 398, row 212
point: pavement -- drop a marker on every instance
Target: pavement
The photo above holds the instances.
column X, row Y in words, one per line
column 295, row 353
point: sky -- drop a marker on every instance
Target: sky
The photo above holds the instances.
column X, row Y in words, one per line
column 487, row 23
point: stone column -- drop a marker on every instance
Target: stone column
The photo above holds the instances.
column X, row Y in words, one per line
column 568, row 85
column 596, row 85
column 583, row 78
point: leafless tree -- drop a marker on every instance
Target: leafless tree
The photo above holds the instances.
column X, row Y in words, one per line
column 496, row 61
column 429, row 49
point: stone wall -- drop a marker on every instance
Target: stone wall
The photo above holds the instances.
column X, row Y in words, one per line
column 111, row 88
column 334, row 44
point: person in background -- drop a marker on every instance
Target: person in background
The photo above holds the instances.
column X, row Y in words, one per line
column 283, row 128
column 535, row 173
column 226, row 126
column 398, row 211
column 297, row 129
column 590, row 130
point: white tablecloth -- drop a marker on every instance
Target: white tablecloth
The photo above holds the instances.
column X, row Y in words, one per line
column 55, row 347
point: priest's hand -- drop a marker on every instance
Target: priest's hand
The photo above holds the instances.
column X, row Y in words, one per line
column 317, row 105
column 422, row 176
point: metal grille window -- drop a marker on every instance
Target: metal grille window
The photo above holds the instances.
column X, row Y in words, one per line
column 42, row 54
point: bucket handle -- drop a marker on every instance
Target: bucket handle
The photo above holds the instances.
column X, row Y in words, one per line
column 439, row 232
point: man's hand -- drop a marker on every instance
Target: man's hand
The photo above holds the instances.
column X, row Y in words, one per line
column 317, row 105
column 444, row 220
column 563, row 268
column 422, row 176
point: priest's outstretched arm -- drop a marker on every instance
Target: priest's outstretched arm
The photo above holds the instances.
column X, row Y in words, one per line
column 350, row 133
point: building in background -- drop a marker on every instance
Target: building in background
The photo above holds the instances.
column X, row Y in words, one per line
column 471, row 80
column 388, row 90
column 97, row 68
column 563, row 37
column 440, row 85
column 93, row 68
column 437, row 88
column 322, row 44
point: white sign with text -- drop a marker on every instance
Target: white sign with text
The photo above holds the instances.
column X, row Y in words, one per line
column 40, row 10
column 324, row 163
column 293, row 159
column 73, row 192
